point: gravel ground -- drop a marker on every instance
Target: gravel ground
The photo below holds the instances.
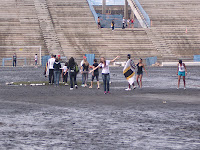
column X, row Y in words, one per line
column 47, row 118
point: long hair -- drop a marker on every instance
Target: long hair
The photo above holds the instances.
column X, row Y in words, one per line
column 102, row 61
column 71, row 62
column 180, row 62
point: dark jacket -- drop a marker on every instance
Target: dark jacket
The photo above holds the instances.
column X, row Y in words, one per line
column 57, row 66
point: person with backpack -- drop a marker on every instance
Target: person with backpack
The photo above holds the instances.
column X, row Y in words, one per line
column 85, row 71
column 95, row 74
column 73, row 70
column 56, row 67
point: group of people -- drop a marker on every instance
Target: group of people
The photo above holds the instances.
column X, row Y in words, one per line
column 125, row 23
column 71, row 69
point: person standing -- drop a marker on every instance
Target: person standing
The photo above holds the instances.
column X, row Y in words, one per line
column 51, row 62
column 181, row 72
column 113, row 25
column 72, row 73
column 36, row 59
column 132, row 23
column 99, row 23
column 65, row 74
column 84, row 59
column 128, row 23
column 140, row 67
column 85, row 71
column 95, row 74
column 14, row 60
column 104, row 64
column 129, row 72
column 123, row 23
column 56, row 67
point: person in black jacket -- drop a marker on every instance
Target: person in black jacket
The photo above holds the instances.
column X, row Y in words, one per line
column 56, row 67
column 72, row 67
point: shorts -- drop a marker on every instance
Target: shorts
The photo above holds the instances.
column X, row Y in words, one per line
column 181, row 74
column 99, row 23
column 95, row 75
column 139, row 73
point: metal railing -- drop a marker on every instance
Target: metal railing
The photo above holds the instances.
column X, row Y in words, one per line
column 145, row 15
column 92, row 10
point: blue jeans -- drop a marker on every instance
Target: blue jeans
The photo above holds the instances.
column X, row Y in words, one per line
column 106, row 82
column 72, row 79
column 56, row 77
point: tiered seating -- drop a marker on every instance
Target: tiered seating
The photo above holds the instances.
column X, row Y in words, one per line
column 78, row 33
column 171, row 19
column 19, row 27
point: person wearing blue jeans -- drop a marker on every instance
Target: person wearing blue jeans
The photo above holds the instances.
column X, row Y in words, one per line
column 104, row 64
column 106, row 82
column 56, row 67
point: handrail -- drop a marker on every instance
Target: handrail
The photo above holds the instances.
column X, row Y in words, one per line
column 93, row 11
column 145, row 15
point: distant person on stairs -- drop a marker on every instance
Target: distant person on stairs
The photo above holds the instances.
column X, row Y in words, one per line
column 123, row 23
column 14, row 60
column 113, row 25
column 99, row 23
column 132, row 23
column 181, row 72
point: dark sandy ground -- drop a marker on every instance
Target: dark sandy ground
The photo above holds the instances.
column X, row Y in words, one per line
column 47, row 118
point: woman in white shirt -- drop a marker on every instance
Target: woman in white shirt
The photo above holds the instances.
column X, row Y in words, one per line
column 181, row 72
column 104, row 64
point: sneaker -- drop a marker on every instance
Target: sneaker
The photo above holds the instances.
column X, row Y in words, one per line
column 134, row 87
column 128, row 89
column 83, row 85
column 108, row 92
column 76, row 86
column 177, row 88
column 66, row 84
column 105, row 92
column 71, row 89
column 184, row 88
column 98, row 88
column 90, row 87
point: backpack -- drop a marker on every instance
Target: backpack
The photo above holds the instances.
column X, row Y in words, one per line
column 76, row 68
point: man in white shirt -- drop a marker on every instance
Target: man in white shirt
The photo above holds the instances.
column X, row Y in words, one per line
column 51, row 62
column 123, row 22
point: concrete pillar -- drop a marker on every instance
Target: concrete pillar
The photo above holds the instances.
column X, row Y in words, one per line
column 103, row 7
column 126, row 10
